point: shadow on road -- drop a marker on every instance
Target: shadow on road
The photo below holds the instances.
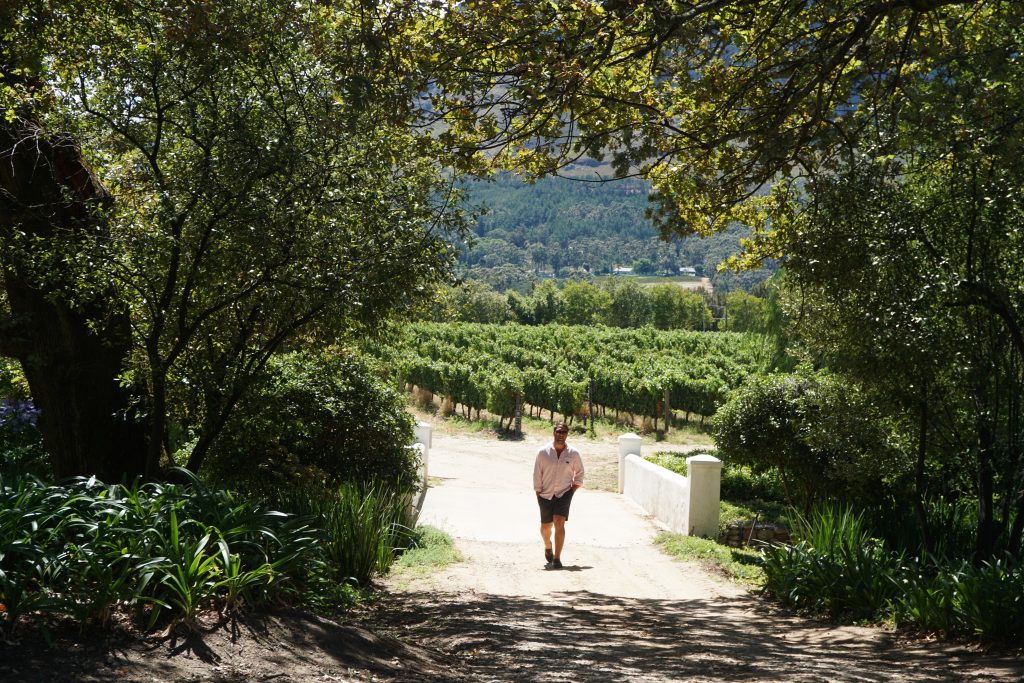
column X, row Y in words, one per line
column 583, row 636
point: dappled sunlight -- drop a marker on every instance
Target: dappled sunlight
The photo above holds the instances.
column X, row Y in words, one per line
column 586, row 636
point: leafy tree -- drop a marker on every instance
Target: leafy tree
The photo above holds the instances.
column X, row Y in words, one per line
column 539, row 308
column 676, row 308
column 743, row 312
column 546, row 302
column 475, row 302
column 188, row 189
column 905, row 316
column 644, row 267
column 583, row 303
column 506, row 277
column 630, row 304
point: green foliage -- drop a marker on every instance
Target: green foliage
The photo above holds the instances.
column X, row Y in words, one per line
column 583, row 303
column 673, row 308
column 540, row 307
column 951, row 525
column 472, row 302
column 921, row 304
column 235, row 203
column 630, row 305
column 816, row 431
column 670, row 460
column 838, row 568
column 563, row 226
column 12, row 381
column 619, row 302
column 742, row 482
column 364, row 525
column 320, row 417
column 753, row 509
column 626, row 370
column 429, row 549
column 744, row 312
column 88, row 550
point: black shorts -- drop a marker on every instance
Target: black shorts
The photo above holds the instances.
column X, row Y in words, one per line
column 555, row 506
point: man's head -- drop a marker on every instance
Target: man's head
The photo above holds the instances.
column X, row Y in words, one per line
column 561, row 432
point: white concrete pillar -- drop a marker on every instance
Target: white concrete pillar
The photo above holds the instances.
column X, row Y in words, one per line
column 629, row 444
column 705, row 475
column 423, row 434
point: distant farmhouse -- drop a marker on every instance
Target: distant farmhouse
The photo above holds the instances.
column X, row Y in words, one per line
column 688, row 270
column 622, row 270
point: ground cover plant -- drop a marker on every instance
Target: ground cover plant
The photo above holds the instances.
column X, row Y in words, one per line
column 838, row 568
column 164, row 553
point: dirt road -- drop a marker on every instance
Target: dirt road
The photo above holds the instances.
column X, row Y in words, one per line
column 620, row 610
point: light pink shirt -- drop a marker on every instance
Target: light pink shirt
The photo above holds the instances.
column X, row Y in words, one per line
column 553, row 475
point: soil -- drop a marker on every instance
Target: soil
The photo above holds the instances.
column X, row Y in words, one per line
column 619, row 609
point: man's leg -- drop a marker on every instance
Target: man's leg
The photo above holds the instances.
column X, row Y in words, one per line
column 545, row 533
column 559, row 524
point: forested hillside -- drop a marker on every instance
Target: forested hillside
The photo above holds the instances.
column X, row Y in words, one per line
column 573, row 226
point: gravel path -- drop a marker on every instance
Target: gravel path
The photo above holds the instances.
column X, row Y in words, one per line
column 620, row 610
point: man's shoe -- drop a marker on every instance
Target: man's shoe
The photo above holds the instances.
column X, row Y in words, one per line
column 556, row 563
column 548, row 555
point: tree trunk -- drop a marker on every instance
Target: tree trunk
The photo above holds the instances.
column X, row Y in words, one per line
column 922, row 449
column 986, row 532
column 72, row 343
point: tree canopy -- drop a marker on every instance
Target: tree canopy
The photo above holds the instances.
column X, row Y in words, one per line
column 188, row 188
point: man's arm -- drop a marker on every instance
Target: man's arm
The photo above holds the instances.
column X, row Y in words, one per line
column 538, row 483
column 577, row 475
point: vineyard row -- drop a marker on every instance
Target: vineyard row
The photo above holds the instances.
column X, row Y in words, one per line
column 569, row 369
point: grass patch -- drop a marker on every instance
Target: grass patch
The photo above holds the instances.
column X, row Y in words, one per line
column 740, row 564
column 430, row 550
column 761, row 510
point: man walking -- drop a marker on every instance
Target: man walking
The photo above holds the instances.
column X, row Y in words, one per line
column 557, row 473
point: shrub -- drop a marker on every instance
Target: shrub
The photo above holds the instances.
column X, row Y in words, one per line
column 739, row 482
column 320, row 418
column 836, row 567
column 364, row 525
column 85, row 549
column 839, row 569
column 813, row 429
